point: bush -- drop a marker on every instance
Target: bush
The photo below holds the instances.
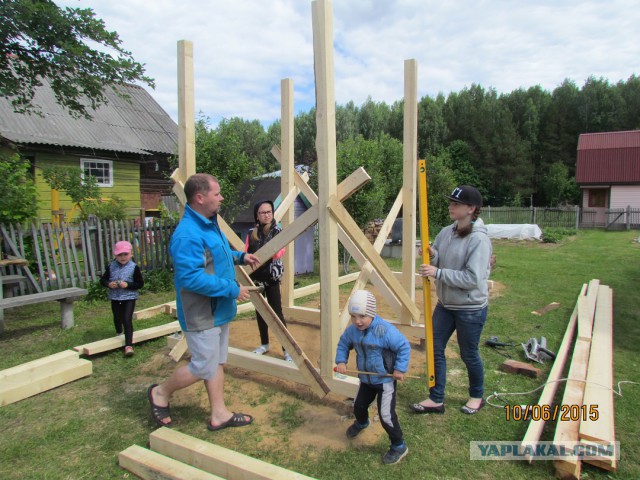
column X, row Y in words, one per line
column 157, row 281
column 19, row 199
column 96, row 292
column 556, row 234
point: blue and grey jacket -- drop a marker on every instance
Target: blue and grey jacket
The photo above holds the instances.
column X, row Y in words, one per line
column 381, row 348
column 204, row 274
column 463, row 267
column 116, row 272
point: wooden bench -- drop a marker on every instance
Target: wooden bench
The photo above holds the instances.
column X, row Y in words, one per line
column 65, row 296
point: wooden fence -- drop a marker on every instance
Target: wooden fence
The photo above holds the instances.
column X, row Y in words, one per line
column 571, row 217
column 73, row 255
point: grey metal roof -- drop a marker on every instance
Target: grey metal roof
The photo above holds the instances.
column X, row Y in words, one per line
column 138, row 126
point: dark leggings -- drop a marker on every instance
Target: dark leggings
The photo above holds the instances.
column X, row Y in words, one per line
column 123, row 317
column 272, row 294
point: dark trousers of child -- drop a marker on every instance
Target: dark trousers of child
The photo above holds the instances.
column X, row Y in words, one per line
column 386, row 395
column 123, row 318
column 274, row 299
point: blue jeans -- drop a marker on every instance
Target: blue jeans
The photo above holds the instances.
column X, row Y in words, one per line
column 468, row 326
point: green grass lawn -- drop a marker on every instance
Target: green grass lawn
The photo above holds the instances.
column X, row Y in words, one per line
column 76, row 431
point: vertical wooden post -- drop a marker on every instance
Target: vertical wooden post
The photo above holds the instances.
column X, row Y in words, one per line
column 322, row 16
column 287, row 166
column 409, row 181
column 186, row 114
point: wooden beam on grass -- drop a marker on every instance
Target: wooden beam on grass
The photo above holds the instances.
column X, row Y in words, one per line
column 598, row 393
column 118, row 342
column 150, row 312
column 534, row 430
column 37, row 376
column 574, row 389
column 215, row 459
column 150, row 465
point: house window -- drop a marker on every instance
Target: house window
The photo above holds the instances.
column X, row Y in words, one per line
column 102, row 170
column 598, row 198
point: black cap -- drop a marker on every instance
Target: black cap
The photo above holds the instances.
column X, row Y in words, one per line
column 467, row 195
column 257, row 206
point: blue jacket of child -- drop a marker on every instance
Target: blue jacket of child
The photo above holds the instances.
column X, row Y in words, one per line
column 381, row 348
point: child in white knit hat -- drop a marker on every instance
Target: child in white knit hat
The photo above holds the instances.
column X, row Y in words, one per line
column 382, row 358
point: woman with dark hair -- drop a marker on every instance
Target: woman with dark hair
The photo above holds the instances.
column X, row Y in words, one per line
column 460, row 264
column 269, row 274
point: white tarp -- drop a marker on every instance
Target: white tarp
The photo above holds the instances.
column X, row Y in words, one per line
column 516, row 231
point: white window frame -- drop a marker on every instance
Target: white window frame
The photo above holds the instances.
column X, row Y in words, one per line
column 84, row 161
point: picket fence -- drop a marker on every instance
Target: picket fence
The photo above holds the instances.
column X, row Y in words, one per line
column 570, row 217
column 74, row 255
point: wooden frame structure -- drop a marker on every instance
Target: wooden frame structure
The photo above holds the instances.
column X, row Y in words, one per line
column 335, row 223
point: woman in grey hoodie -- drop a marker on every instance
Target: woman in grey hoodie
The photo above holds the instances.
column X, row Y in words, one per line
column 460, row 264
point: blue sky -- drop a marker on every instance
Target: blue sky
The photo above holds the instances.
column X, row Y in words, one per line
column 244, row 48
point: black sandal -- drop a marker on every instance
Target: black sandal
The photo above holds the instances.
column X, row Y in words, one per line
column 157, row 412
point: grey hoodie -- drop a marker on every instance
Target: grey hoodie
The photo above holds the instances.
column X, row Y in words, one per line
column 463, row 267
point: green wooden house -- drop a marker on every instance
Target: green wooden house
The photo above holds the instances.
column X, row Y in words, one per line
column 126, row 145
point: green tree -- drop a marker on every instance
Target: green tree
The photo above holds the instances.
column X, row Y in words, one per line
column 558, row 186
column 441, row 182
column 40, row 40
column 19, row 199
column 83, row 190
column 221, row 153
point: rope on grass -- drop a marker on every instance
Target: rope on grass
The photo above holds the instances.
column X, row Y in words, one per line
column 506, row 394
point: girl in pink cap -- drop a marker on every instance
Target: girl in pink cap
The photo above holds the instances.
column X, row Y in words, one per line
column 123, row 278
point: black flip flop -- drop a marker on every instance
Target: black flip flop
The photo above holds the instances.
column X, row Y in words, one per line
column 157, row 412
column 236, row 420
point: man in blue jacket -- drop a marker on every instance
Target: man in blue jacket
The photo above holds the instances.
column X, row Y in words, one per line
column 206, row 294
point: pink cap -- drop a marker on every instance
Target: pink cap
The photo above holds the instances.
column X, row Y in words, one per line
column 122, row 247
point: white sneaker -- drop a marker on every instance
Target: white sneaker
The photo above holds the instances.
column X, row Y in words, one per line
column 287, row 357
column 262, row 349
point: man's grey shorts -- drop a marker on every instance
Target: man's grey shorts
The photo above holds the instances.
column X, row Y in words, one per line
column 209, row 348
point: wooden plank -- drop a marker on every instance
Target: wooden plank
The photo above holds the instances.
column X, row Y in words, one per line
column 357, row 236
column 186, row 110
column 545, row 309
column 179, row 349
column 534, row 430
column 598, row 393
column 39, row 255
column 309, row 316
column 322, row 22
column 19, row 387
column 149, row 312
column 35, row 368
column 314, row 380
column 138, row 336
column 409, row 181
column 51, row 233
column 574, row 389
column 215, row 459
column 150, row 465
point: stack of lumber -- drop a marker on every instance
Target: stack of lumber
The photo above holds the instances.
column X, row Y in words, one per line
column 40, row 375
column 174, row 455
column 586, row 412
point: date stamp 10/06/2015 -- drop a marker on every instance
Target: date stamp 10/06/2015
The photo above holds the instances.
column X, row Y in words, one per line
column 546, row 413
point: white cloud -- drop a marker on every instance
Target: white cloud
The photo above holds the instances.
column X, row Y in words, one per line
column 243, row 49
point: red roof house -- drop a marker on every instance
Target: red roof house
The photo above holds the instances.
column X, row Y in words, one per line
column 608, row 172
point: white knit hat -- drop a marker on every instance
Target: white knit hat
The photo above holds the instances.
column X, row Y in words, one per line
column 362, row 302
